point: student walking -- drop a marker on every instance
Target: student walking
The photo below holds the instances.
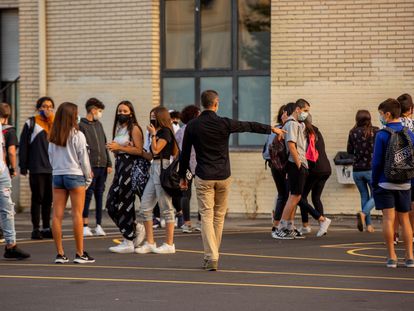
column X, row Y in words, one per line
column 187, row 114
column 319, row 172
column 127, row 145
column 393, row 154
column 361, row 145
column 68, row 154
column 7, row 212
column 209, row 134
column 297, row 167
column 163, row 147
column 101, row 164
column 33, row 158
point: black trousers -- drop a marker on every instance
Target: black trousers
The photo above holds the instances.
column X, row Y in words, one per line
column 121, row 197
column 282, row 192
column 42, row 197
column 316, row 184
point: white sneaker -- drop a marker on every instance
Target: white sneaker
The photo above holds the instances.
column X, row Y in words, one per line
column 126, row 247
column 305, row 230
column 323, row 227
column 187, row 228
column 165, row 249
column 140, row 235
column 198, row 226
column 146, row 248
column 99, row 231
column 87, row 231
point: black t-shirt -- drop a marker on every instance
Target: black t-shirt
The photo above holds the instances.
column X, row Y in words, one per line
column 10, row 139
column 167, row 135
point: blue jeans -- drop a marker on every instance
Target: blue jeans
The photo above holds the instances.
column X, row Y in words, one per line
column 7, row 208
column 363, row 182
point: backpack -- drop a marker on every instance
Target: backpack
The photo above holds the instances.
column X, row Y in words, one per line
column 399, row 156
column 278, row 154
column 312, row 154
column 265, row 152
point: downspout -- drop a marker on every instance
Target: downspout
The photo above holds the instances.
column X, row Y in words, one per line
column 42, row 49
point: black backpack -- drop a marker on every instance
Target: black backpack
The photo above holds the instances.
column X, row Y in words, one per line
column 169, row 177
column 399, row 156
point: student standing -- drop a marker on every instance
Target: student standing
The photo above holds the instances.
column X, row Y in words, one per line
column 361, row 145
column 297, row 167
column 7, row 212
column 187, row 114
column 391, row 197
column 72, row 174
column 209, row 134
column 33, row 158
column 127, row 144
column 10, row 141
column 163, row 147
column 101, row 164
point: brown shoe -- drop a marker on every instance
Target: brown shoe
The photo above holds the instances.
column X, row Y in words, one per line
column 211, row 265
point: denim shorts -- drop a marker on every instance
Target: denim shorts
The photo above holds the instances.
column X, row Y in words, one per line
column 398, row 199
column 68, row 182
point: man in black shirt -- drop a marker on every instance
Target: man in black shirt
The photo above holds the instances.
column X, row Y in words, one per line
column 209, row 134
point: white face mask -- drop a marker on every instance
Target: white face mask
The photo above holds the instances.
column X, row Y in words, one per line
column 382, row 120
column 303, row 115
column 97, row 116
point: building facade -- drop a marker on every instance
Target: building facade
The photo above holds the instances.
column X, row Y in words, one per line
column 259, row 54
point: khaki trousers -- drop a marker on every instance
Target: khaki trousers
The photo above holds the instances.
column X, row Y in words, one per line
column 212, row 196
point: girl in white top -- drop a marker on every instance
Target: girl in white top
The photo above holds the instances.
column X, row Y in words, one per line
column 127, row 146
column 68, row 155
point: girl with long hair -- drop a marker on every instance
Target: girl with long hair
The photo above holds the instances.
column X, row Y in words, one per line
column 163, row 146
column 361, row 145
column 68, row 155
column 127, row 145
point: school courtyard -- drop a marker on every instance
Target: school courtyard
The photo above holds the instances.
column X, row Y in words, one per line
column 344, row 270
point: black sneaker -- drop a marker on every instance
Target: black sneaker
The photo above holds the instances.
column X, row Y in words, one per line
column 47, row 233
column 283, row 234
column 36, row 234
column 297, row 234
column 15, row 253
column 61, row 259
column 85, row 258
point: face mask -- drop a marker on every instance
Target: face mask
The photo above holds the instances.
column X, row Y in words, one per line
column 42, row 114
column 123, row 118
column 382, row 120
column 302, row 116
column 97, row 116
column 153, row 122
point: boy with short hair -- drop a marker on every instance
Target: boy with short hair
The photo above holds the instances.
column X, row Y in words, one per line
column 392, row 197
column 100, row 162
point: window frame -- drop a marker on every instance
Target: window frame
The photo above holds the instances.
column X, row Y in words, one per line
column 197, row 73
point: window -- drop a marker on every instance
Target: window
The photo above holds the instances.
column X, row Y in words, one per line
column 222, row 45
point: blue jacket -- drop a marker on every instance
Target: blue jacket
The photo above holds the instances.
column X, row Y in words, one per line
column 380, row 148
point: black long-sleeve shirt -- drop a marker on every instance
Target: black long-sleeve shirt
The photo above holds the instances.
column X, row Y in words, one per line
column 209, row 134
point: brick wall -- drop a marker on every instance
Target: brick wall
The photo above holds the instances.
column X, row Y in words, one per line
column 6, row 4
column 342, row 56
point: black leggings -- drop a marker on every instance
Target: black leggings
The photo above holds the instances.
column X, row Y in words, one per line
column 316, row 184
column 41, row 187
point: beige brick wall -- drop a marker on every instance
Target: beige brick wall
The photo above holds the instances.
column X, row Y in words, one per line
column 342, row 56
column 6, row 4
column 29, row 72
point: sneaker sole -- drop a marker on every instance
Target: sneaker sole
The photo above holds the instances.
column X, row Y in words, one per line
column 391, row 266
column 61, row 261
column 121, row 252
column 79, row 261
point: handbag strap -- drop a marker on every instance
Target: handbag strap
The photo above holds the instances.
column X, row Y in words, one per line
column 176, row 143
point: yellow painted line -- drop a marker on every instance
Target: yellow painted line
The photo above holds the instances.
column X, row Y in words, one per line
column 349, row 245
column 286, row 257
column 141, row 268
column 355, row 251
column 343, row 289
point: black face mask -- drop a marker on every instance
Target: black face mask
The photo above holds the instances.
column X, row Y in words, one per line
column 123, row 118
column 153, row 122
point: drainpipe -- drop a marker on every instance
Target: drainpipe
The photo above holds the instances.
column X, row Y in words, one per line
column 42, row 48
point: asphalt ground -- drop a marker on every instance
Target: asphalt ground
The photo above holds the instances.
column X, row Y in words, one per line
column 344, row 270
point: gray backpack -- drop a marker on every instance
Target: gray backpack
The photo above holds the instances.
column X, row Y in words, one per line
column 399, row 156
